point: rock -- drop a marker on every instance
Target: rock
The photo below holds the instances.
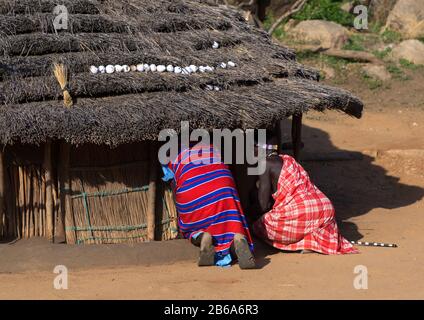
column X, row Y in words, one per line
column 407, row 18
column 325, row 33
column 410, row 50
column 380, row 9
column 376, row 72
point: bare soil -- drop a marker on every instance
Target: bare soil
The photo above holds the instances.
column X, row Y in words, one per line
column 378, row 197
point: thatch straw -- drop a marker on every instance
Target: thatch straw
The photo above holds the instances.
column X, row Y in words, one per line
column 142, row 117
column 134, row 31
column 61, row 74
column 78, row 23
column 12, row 7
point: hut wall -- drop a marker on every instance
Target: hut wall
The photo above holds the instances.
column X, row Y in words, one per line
column 25, row 196
column 108, row 196
column 109, row 199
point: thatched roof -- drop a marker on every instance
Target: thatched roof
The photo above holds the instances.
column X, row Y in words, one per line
column 266, row 85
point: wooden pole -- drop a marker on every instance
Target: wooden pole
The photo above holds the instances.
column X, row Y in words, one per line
column 63, row 175
column 277, row 133
column 2, row 194
column 296, row 135
column 66, row 214
column 151, row 204
column 49, row 189
column 21, row 206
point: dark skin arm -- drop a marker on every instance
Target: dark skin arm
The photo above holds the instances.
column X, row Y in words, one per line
column 268, row 182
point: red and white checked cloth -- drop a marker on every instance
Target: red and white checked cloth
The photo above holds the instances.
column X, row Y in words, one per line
column 302, row 217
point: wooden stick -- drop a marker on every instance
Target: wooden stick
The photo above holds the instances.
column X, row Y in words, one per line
column 30, row 197
column 58, row 221
column 297, row 6
column 297, row 135
column 66, row 217
column 21, row 203
column 2, row 194
column 17, row 194
column 49, row 189
column 151, row 207
column 36, row 201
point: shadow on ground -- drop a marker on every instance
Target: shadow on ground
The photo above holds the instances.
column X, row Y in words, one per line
column 355, row 186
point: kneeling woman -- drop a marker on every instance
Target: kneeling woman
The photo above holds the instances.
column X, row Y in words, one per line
column 296, row 214
column 209, row 210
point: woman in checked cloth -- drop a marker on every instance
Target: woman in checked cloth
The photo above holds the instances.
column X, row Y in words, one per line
column 296, row 214
column 209, row 210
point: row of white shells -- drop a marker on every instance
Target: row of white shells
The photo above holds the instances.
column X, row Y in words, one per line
column 158, row 68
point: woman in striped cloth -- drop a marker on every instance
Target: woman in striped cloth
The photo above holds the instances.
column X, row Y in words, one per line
column 209, row 210
column 296, row 215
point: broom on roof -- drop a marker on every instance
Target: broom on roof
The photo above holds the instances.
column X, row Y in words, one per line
column 61, row 74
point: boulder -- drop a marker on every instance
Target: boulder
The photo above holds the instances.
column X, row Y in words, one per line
column 407, row 18
column 410, row 50
column 327, row 34
column 378, row 72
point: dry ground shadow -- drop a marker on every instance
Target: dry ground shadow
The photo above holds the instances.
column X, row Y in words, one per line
column 355, row 186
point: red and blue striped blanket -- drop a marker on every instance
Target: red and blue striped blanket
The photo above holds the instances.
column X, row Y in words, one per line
column 207, row 199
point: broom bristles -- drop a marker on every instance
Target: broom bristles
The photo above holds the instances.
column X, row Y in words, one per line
column 61, row 74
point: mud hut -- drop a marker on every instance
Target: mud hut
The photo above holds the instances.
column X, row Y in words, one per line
column 88, row 173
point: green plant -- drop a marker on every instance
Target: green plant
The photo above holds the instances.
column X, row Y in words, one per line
column 337, row 63
column 355, row 42
column 279, row 32
column 325, row 10
column 269, row 20
column 304, row 55
column 375, row 27
column 397, row 72
column 389, row 36
column 408, row 65
column 381, row 54
column 372, row 83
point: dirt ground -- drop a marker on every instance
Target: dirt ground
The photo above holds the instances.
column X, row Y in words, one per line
column 378, row 197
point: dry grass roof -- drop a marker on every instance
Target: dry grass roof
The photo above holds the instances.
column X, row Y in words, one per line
column 267, row 84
